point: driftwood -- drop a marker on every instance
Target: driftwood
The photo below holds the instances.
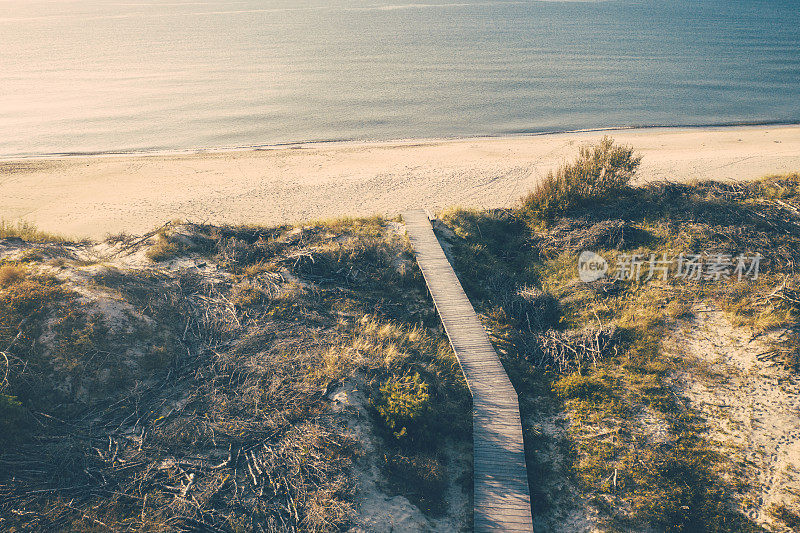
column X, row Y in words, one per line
column 141, row 239
column 567, row 351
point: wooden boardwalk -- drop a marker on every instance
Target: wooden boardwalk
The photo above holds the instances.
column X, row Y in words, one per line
column 502, row 499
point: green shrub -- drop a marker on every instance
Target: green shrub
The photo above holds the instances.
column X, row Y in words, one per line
column 404, row 404
column 600, row 172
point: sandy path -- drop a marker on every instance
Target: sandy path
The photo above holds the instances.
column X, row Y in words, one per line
column 93, row 196
column 752, row 409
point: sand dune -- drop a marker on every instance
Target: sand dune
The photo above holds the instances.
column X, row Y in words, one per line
column 94, row 196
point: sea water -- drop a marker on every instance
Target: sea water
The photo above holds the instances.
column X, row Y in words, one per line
column 94, row 76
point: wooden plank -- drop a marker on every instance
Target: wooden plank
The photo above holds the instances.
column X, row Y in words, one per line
column 501, row 492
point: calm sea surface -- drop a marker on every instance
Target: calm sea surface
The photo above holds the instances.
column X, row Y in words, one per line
column 99, row 76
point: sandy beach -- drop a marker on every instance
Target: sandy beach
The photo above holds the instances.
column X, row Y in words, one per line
column 95, row 196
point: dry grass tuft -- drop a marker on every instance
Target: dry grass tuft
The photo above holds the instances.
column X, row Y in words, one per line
column 11, row 274
column 166, row 247
column 27, row 232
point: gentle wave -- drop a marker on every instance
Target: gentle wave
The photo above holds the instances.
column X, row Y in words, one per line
column 300, row 143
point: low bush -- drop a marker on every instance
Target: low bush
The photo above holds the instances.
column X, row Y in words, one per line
column 600, row 173
column 404, row 404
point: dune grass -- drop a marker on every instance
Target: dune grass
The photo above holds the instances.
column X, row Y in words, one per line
column 27, row 232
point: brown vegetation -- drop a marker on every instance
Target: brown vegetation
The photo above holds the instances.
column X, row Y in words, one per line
column 27, row 232
column 175, row 398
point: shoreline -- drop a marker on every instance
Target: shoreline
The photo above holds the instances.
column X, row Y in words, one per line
column 293, row 145
column 92, row 196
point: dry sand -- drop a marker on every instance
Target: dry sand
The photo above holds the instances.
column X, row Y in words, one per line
column 94, row 196
column 751, row 406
